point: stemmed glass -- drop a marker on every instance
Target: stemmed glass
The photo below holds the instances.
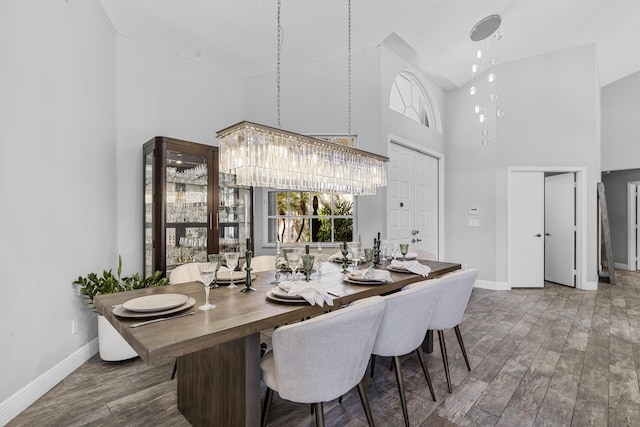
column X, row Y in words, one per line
column 278, row 267
column 355, row 253
column 404, row 248
column 394, row 250
column 207, row 272
column 232, row 263
column 293, row 262
column 217, row 259
column 384, row 245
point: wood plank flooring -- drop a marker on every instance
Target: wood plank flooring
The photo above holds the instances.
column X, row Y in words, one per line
column 540, row 357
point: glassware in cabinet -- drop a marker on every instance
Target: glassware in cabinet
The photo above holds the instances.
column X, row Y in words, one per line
column 180, row 192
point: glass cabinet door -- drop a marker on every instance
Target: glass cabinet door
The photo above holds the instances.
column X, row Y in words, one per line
column 234, row 215
column 187, row 213
column 180, row 193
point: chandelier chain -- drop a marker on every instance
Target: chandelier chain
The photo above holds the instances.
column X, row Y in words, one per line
column 279, row 31
column 349, row 67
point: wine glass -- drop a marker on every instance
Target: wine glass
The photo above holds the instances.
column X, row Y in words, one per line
column 384, row 245
column 207, row 272
column 278, row 266
column 217, row 259
column 394, row 250
column 293, row 262
column 404, row 248
column 232, row 263
column 354, row 247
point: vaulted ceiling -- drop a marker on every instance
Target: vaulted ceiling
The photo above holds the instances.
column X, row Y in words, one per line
column 239, row 36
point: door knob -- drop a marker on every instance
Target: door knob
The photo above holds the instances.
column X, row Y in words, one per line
column 547, row 234
column 538, row 235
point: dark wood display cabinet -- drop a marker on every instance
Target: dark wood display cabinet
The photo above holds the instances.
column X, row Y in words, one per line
column 184, row 200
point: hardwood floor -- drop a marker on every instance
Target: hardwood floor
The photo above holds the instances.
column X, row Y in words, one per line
column 540, row 357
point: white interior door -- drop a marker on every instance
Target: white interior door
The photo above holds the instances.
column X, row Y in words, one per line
column 559, row 226
column 426, row 201
column 413, row 198
column 637, row 233
column 526, row 228
column 401, row 192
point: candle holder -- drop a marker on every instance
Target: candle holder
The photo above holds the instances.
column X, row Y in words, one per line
column 345, row 261
column 248, row 269
column 376, row 252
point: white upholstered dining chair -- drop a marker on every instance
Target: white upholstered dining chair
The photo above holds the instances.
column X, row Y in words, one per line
column 184, row 273
column 322, row 358
column 426, row 255
column 263, row 263
column 448, row 313
column 406, row 316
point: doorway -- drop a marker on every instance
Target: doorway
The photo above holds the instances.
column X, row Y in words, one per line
column 414, row 196
column 559, row 233
column 633, row 217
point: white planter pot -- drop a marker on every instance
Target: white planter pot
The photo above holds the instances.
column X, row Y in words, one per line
column 111, row 344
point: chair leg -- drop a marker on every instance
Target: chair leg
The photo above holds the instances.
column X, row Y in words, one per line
column 365, row 403
column 464, row 351
column 319, row 414
column 423, row 363
column 445, row 359
column 373, row 364
column 265, row 407
column 175, row 368
column 403, row 399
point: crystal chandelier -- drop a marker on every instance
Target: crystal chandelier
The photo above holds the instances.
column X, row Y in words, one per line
column 263, row 156
column 484, row 81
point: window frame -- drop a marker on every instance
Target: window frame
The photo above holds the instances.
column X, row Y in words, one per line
column 308, row 217
column 424, row 112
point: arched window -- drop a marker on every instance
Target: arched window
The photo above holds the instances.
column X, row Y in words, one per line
column 409, row 99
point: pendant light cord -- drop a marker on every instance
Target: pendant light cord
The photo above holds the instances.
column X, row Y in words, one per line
column 349, row 68
column 279, row 31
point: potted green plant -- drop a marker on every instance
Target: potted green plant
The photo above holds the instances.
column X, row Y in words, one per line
column 111, row 344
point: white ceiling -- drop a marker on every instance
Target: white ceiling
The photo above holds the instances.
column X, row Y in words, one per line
column 239, row 36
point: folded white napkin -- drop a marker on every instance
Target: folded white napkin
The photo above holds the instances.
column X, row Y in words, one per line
column 338, row 257
column 371, row 274
column 412, row 266
column 312, row 292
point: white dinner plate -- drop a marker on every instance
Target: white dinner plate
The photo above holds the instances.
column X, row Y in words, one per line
column 158, row 302
column 271, row 296
column 120, row 311
column 281, row 293
column 362, row 282
column 238, row 276
column 398, row 269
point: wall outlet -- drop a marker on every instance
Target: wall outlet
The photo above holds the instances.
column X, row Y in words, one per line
column 74, row 326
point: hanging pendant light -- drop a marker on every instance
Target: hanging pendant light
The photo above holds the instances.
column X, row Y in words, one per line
column 484, row 80
column 263, row 156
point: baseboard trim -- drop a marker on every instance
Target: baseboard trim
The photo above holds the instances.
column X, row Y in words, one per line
column 494, row 286
column 17, row 403
column 589, row 286
column 621, row 266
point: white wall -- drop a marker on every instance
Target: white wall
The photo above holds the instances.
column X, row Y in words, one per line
column 57, row 177
column 314, row 100
column 159, row 94
column 620, row 124
column 552, row 118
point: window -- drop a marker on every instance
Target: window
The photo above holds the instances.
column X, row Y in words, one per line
column 299, row 217
column 409, row 99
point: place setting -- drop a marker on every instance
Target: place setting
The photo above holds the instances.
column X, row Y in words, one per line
column 154, row 306
column 367, row 276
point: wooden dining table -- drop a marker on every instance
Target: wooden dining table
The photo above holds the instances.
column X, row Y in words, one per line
column 218, row 350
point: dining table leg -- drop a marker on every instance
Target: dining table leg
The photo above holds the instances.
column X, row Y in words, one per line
column 427, row 343
column 220, row 385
